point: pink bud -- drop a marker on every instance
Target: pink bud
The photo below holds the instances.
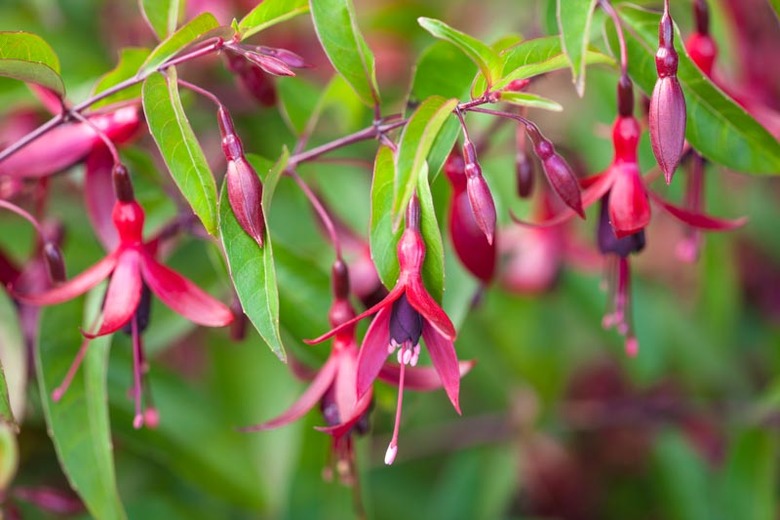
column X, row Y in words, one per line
column 245, row 193
column 482, row 206
column 231, row 143
column 50, row 499
column 288, row 57
column 269, row 64
column 667, row 124
column 524, row 173
column 557, row 171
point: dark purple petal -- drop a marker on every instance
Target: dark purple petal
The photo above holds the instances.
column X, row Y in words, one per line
column 183, row 296
column 75, row 286
column 422, row 301
column 373, row 352
column 305, row 402
column 445, row 361
column 347, row 424
column 123, row 295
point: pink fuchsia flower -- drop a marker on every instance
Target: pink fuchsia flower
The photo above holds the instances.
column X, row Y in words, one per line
column 70, row 143
column 131, row 267
column 407, row 313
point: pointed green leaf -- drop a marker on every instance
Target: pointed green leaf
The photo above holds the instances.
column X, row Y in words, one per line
column 525, row 99
column 538, row 56
column 179, row 147
column 337, row 30
column 78, row 424
column 27, row 57
column 433, row 266
column 252, row 268
column 130, row 60
column 750, row 479
column 383, row 239
column 201, row 28
column 717, row 127
column 268, row 13
column 416, row 142
column 488, row 60
column 574, row 17
column 162, row 15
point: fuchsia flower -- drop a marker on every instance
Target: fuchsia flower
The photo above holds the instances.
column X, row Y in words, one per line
column 407, row 313
column 131, row 267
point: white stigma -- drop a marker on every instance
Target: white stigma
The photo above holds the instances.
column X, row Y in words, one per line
column 392, row 451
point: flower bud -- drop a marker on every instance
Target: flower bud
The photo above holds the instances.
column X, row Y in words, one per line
column 482, row 206
column 55, row 264
column 51, row 500
column 231, row 143
column 290, row 58
column 269, row 64
column 667, row 124
column 703, row 51
column 524, row 167
column 667, row 103
column 557, row 171
column 245, row 194
column 517, row 85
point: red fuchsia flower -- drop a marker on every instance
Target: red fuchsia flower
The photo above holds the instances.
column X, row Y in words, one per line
column 700, row 46
column 618, row 276
column 131, row 267
column 667, row 102
column 474, row 250
column 245, row 191
column 406, row 314
column 70, row 143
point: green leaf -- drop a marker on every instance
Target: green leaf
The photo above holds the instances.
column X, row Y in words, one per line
column 383, row 238
column 78, row 424
column 13, row 366
column 130, row 60
column 428, row 79
column 750, row 477
column 252, row 268
column 9, row 455
column 179, row 147
column 717, row 127
column 268, row 13
column 416, row 142
column 162, row 15
column 337, row 30
column 433, row 265
column 574, row 17
column 27, row 57
column 537, row 56
column 201, row 28
column 488, row 60
column 525, row 99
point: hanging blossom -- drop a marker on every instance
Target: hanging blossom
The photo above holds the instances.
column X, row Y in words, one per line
column 405, row 315
column 133, row 271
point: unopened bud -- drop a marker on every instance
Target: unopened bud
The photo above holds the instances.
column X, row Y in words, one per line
column 258, row 84
column 123, row 187
column 245, row 194
column 482, row 206
column 517, row 85
column 269, row 64
column 557, row 171
column 290, row 58
column 231, row 143
column 703, row 51
column 667, row 124
column 54, row 262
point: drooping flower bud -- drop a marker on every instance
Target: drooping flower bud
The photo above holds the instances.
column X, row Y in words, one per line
column 480, row 198
column 55, row 264
column 667, row 103
column 524, row 167
column 470, row 243
column 700, row 45
column 557, row 171
column 245, row 191
column 290, row 58
column 269, row 64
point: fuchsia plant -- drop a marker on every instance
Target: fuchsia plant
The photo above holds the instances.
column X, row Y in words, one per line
column 395, row 263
